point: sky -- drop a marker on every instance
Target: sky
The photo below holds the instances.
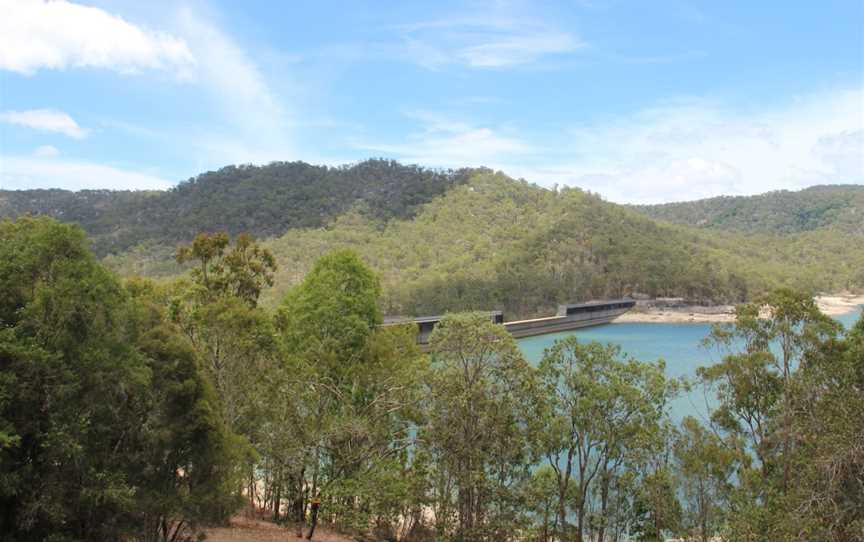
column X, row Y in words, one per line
column 638, row 101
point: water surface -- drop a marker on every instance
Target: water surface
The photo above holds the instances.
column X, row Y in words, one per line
column 678, row 345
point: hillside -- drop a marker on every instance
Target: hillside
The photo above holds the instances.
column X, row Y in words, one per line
column 262, row 200
column 833, row 206
column 445, row 241
column 505, row 244
column 500, row 243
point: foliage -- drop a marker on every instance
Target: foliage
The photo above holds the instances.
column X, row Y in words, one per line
column 356, row 388
column 336, row 307
column 144, row 411
column 218, row 313
column 242, row 272
column 478, row 428
column 833, row 206
column 108, row 427
column 601, row 417
column 259, row 200
column 656, row 507
column 763, row 387
column 827, row 499
column 705, row 465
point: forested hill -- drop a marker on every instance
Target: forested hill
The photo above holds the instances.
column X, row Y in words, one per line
column 498, row 243
column 468, row 239
column 261, row 200
column 831, row 206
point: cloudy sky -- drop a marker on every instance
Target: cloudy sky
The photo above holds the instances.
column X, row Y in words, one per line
column 639, row 101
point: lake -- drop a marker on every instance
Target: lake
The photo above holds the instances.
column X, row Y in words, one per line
column 677, row 344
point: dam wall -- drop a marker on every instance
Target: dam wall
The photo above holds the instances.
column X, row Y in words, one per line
column 568, row 317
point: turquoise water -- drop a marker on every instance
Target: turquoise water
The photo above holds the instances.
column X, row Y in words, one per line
column 850, row 318
column 677, row 344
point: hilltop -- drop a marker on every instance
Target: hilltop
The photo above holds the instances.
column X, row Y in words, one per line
column 264, row 201
column 828, row 206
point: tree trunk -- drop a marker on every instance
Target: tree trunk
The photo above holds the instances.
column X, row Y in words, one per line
column 277, row 501
column 604, row 505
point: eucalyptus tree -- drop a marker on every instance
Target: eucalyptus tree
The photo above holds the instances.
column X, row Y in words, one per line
column 542, row 501
column 601, row 412
column 705, row 466
column 758, row 393
column 241, row 270
column 216, row 308
column 827, row 499
column 182, row 460
column 357, row 389
column 479, row 417
column 218, row 312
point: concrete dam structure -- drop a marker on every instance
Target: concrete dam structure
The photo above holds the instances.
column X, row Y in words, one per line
column 567, row 318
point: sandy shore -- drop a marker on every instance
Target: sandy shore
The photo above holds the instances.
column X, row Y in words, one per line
column 832, row 305
column 669, row 316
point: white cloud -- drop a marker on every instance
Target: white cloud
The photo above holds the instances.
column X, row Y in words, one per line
column 678, row 151
column 699, row 149
column 25, row 172
column 258, row 127
column 39, row 34
column 46, row 151
column 255, row 127
column 249, row 122
column 48, row 120
column 844, row 152
column 516, row 49
column 484, row 42
column 443, row 142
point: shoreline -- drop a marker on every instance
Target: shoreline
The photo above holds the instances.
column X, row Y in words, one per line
column 831, row 305
column 837, row 304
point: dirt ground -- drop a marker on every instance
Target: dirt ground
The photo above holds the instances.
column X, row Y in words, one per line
column 255, row 530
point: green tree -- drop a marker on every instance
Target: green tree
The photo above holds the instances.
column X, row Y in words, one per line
column 91, row 382
column 479, row 411
column 758, row 395
column 241, row 270
column 62, row 357
column 827, row 498
column 236, row 340
column 183, row 461
column 542, row 500
column 705, row 465
column 656, row 507
column 218, row 312
column 358, row 388
column 599, row 412
column 333, row 311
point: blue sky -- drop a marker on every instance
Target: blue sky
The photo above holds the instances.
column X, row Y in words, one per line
column 638, row 101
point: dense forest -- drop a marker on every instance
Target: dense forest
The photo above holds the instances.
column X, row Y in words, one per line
column 838, row 207
column 476, row 239
column 496, row 243
column 260, row 200
column 140, row 410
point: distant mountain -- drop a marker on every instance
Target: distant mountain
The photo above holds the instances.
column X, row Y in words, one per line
column 261, row 200
column 831, row 206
